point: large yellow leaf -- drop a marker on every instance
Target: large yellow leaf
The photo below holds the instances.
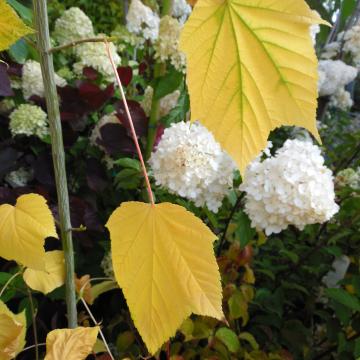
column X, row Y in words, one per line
column 11, row 27
column 164, row 262
column 23, row 229
column 251, row 68
column 12, row 332
column 53, row 276
column 71, row 344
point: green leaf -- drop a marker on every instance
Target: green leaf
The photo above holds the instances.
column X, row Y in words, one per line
column 250, row 339
column 238, row 307
column 128, row 179
column 229, row 338
column 25, row 13
column 344, row 298
column 103, row 287
column 244, row 232
column 129, row 163
column 4, row 277
column 168, row 83
column 19, row 51
column 291, row 255
column 357, row 349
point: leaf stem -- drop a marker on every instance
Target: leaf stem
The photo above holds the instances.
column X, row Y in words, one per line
column 97, row 324
column 8, row 283
column 81, row 41
column 33, row 315
column 58, row 154
column 132, row 128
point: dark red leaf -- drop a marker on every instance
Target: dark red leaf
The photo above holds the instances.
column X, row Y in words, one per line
column 142, row 68
column 138, row 116
column 90, row 73
column 8, row 157
column 115, row 140
column 5, row 87
column 95, row 175
column 93, row 96
column 125, row 74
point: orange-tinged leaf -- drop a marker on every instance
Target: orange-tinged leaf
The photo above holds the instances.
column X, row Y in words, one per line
column 164, row 262
column 71, row 344
column 12, row 332
column 11, row 27
column 251, row 69
column 23, row 229
column 83, row 288
column 53, row 276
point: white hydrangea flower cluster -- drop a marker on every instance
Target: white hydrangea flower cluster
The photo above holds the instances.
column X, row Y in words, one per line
column 167, row 45
column 334, row 74
column 351, row 40
column 341, row 99
column 141, row 20
column 107, row 266
column 331, row 50
column 94, row 54
column 181, row 10
column 349, row 177
column 32, row 81
column 95, row 134
column 166, row 104
column 19, row 177
column 189, row 162
column 291, row 188
column 73, row 25
column 28, row 120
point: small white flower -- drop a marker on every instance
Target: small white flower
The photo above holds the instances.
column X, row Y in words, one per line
column 333, row 75
column 73, row 25
column 167, row 45
column 291, row 188
column 6, row 105
column 189, row 162
column 331, row 50
column 32, row 81
column 340, row 266
column 166, row 104
column 28, row 120
column 141, row 20
column 181, row 10
column 314, row 30
column 93, row 54
column 19, row 177
column 341, row 99
column 349, row 177
column 351, row 40
column 107, row 266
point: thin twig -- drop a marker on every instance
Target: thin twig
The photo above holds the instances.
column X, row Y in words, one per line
column 81, row 41
column 33, row 315
column 132, row 128
column 228, row 222
column 8, row 283
column 97, row 324
column 32, row 346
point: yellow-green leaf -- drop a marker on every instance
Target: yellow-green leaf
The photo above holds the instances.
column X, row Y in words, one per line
column 12, row 332
column 53, row 276
column 23, row 229
column 71, row 344
column 11, row 27
column 164, row 262
column 251, row 68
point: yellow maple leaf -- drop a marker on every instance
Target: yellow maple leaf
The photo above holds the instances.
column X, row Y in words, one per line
column 12, row 332
column 70, row 344
column 164, row 262
column 11, row 27
column 23, row 229
column 53, row 276
column 251, row 69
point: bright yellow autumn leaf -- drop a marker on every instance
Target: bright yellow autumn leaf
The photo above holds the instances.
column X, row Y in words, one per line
column 11, row 27
column 71, row 344
column 251, row 68
column 12, row 332
column 164, row 262
column 50, row 279
column 23, row 229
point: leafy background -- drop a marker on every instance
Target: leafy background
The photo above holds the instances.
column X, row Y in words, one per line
column 274, row 299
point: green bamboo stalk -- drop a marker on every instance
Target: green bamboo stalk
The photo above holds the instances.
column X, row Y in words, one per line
column 58, row 155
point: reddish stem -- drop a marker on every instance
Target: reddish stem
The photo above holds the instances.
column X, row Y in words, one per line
column 132, row 128
column 168, row 350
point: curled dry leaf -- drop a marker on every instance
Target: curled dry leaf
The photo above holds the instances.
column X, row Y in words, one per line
column 23, row 229
column 164, row 262
column 83, row 288
column 11, row 27
column 12, row 332
column 71, row 344
column 50, row 279
column 251, row 69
